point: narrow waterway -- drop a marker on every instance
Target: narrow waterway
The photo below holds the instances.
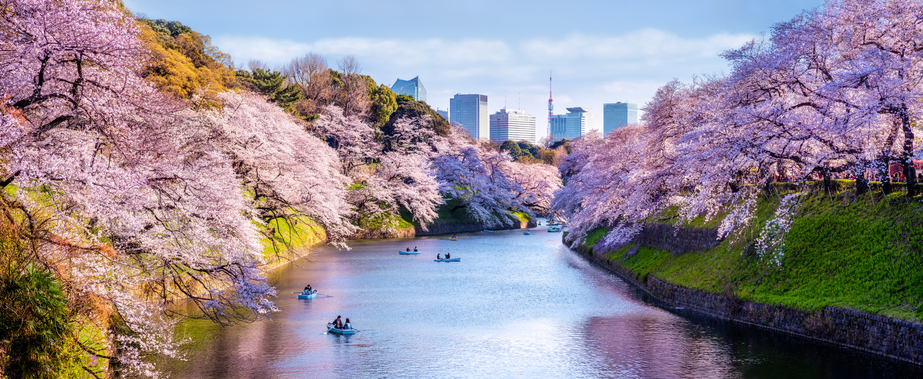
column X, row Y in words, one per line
column 516, row 306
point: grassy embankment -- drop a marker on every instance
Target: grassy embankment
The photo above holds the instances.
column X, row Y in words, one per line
column 863, row 253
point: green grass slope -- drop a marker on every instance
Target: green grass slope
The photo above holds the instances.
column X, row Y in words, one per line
column 862, row 253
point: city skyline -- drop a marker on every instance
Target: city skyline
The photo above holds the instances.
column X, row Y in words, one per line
column 595, row 61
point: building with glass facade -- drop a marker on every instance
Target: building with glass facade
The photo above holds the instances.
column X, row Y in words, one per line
column 513, row 125
column 617, row 115
column 575, row 123
column 444, row 113
column 413, row 88
column 471, row 112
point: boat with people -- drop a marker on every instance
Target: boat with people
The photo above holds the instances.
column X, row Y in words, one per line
column 448, row 260
column 402, row 252
column 453, row 238
column 346, row 332
column 305, row 295
column 554, row 228
column 527, row 233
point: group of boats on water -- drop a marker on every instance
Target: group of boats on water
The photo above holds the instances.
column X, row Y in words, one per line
column 346, row 329
column 439, row 258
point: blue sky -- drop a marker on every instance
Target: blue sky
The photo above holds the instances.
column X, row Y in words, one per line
column 599, row 51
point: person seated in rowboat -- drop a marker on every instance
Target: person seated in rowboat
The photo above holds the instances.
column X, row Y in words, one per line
column 408, row 249
column 446, row 255
column 438, row 256
column 347, row 325
column 307, row 289
column 338, row 323
column 414, row 248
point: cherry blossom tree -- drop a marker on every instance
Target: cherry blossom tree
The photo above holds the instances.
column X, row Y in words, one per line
column 115, row 198
column 290, row 172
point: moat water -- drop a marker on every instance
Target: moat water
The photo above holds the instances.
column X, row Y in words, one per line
column 516, row 306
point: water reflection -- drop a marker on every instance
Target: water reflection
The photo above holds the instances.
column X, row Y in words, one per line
column 517, row 306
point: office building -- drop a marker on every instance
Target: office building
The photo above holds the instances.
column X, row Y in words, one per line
column 444, row 113
column 471, row 112
column 617, row 115
column 575, row 123
column 413, row 88
column 513, row 125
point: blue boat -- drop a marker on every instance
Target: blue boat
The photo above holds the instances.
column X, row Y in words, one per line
column 307, row 296
column 401, row 252
column 448, row 260
column 345, row 332
column 528, row 233
column 554, row 228
column 488, row 231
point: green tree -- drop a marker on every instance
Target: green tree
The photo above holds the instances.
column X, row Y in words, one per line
column 272, row 83
column 408, row 107
column 512, row 147
column 384, row 103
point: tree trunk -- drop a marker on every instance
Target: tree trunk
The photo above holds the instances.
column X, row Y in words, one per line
column 862, row 185
column 910, row 173
column 886, row 187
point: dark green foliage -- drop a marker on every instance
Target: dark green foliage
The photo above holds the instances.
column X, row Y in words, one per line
column 561, row 142
column 532, row 150
column 512, row 147
column 272, row 84
column 384, row 103
column 408, row 107
column 34, row 324
column 170, row 28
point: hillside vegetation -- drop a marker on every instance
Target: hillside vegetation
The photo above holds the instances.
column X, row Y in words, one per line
column 863, row 253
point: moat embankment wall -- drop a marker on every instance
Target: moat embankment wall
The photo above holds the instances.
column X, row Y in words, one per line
column 890, row 337
column 438, row 229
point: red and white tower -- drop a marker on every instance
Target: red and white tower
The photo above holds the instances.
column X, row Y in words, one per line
column 550, row 103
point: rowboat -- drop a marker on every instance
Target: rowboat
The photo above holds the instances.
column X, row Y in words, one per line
column 402, row 252
column 448, row 260
column 307, row 296
column 346, row 332
column 488, row 231
column 453, row 239
column 528, row 233
column 554, row 228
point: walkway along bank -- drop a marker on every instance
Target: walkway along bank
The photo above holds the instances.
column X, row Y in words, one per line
column 890, row 337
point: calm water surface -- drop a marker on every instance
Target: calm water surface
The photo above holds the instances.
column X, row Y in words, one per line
column 516, row 306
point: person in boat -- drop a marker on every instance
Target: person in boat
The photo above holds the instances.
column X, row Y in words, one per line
column 446, row 255
column 414, row 248
column 438, row 256
column 408, row 249
column 347, row 325
column 307, row 289
column 338, row 323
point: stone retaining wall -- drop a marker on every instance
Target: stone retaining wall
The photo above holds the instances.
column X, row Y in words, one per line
column 435, row 230
column 677, row 239
column 897, row 339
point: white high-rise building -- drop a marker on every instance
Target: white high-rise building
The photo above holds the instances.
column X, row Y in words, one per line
column 471, row 112
column 513, row 125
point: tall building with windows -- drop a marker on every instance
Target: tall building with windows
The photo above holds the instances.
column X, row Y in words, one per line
column 617, row 115
column 512, row 124
column 444, row 113
column 413, row 88
column 575, row 123
column 471, row 112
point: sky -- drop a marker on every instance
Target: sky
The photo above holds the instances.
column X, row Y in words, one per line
column 597, row 51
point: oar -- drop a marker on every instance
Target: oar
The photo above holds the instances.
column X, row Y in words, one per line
column 324, row 294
